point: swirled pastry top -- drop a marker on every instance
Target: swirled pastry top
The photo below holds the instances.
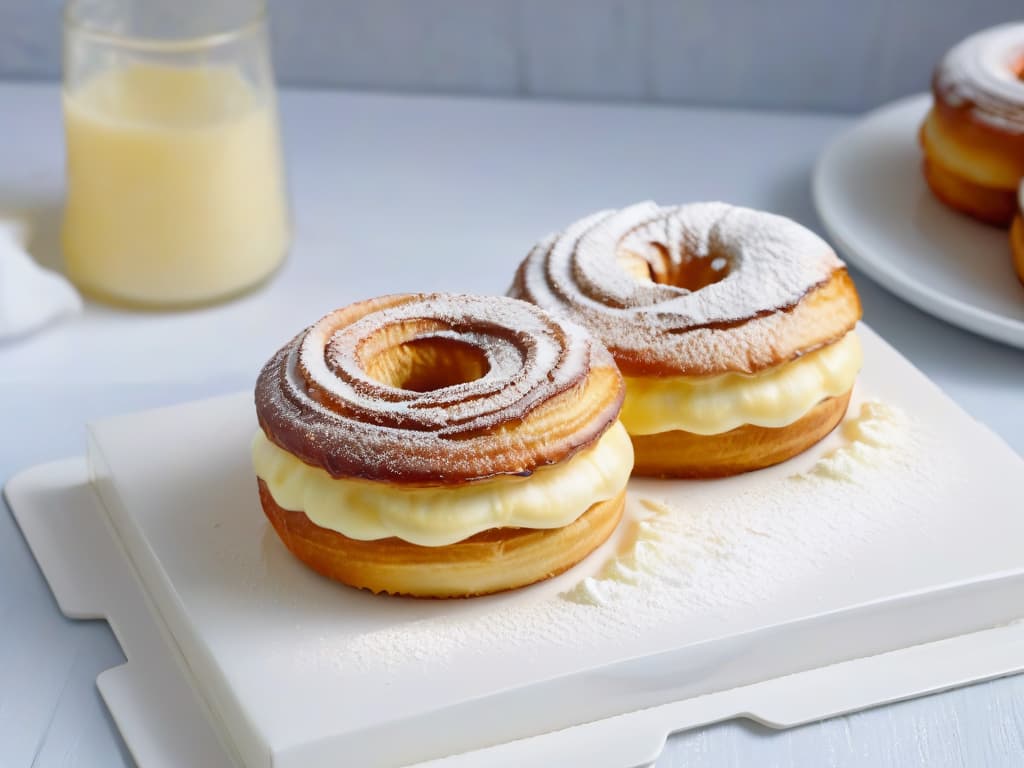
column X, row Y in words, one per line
column 438, row 390
column 982, row 76
column 693, row 290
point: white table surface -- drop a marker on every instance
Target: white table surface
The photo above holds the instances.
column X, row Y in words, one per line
column 404, row 193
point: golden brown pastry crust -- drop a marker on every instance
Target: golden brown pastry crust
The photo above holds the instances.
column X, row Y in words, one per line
column 823, row 316
column 744, row 449
column 1017, row 245
column 700, row 289
column 492, row 561
column 994, row 202
column 353, row 393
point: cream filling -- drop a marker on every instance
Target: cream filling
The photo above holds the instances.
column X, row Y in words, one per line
column 552, row 497
column 712, row 405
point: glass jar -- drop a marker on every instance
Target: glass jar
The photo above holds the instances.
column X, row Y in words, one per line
column 175, row 183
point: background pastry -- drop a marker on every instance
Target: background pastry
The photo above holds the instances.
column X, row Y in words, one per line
column 973, row 137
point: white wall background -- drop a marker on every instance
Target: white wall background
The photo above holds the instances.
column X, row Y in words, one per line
column 823, row 54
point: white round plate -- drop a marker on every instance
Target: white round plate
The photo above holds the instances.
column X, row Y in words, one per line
column 873, row 201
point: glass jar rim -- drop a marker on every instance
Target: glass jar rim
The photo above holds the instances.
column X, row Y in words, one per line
column 254, row 22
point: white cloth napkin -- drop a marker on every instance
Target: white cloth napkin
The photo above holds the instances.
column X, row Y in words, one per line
column 31, row 297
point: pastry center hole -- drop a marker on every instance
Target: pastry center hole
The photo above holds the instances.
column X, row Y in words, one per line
column 698, row 273
column 688, row 272
column 423, row 365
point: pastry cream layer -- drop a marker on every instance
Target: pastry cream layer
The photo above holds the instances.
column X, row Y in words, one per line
column 712, row 405
column 551, row 497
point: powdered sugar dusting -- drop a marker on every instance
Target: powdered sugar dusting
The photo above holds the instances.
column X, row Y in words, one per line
column 688, row 559
column 876, row 435
column 316, row 400
column 981, row 71
column 589, row 273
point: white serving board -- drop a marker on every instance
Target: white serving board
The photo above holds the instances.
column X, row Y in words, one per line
column 872, row 198
column 166, row 725
column 263, row 641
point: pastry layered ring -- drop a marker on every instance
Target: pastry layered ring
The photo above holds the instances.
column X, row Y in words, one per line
column 733, row 328
column 439, row 445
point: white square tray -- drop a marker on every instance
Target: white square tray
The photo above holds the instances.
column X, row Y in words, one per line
column 267, row 644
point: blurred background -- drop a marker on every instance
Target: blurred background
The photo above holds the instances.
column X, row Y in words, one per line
column 843, row 55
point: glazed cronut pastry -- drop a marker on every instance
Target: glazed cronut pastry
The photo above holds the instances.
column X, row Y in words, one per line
column 733, row 329
column 441, row 446
column 973, row 137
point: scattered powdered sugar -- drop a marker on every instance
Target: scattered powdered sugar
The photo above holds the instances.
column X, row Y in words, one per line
column 614, row 273
column 983, row 71
column 683, row 560
column 758, row 530
column 874, row 437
